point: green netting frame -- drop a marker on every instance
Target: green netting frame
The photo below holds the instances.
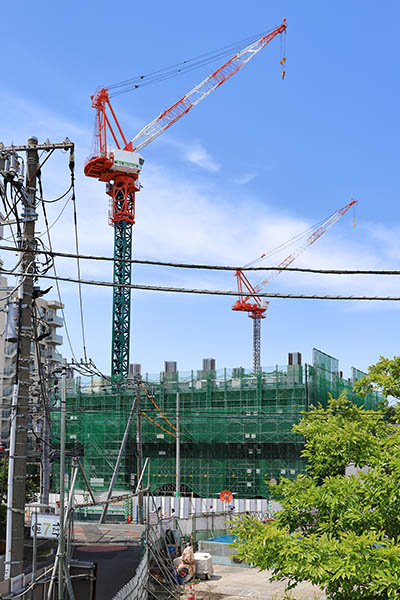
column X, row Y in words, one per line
column 236, row 429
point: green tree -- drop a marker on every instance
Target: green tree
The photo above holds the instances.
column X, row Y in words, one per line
column 340, row 532
column 384, row 377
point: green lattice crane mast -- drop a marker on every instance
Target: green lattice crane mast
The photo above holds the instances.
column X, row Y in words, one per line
column 255, row 305
column 120, row 169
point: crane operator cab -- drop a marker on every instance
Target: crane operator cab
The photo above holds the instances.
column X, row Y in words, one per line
column 126, row 162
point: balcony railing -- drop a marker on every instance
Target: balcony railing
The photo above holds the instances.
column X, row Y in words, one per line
column 53, row 355
column 54, row 320
column 10, row 349
column 54, row 339
column 10, row 372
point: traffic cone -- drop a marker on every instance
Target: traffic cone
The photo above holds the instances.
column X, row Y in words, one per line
column 191, row 595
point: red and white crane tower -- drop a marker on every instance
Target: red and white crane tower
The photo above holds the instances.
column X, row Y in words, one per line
column 119, row 167
column 255, row 305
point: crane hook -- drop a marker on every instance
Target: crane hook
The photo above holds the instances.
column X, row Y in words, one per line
column 282, row 62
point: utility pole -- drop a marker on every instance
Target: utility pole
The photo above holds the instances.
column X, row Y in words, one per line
column 44, row 495
column 178, row 451
column 139, row 449
column 19, row 410
column 61, row 544
column 17, row 477
column 45, row 462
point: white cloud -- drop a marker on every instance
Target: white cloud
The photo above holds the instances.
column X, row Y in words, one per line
column 245, row 178
column 199, row 156
column 190, row 219
column 194, row 152
column 188, row 222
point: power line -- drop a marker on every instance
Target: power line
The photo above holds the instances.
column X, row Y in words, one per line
column 56, row 199
column 157, row 288
column 212, row 267
column 48, row 227
column 78, row 266
column 55, row 273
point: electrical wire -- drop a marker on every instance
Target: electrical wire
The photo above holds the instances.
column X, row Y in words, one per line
column 56, row 279
column 10, row 206
column 200, row 266
column 55, row 199
column 17, row 264
column 157, row 288
column 48, row 227
column 14, row 289
column 78, row 267
column 44, row 395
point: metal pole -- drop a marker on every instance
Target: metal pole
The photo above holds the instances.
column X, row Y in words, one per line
column 11, row 459
column 45, row 452
column 178, row 451
column 16, row 500
column 86, row 481
column 34, row 555
column 57, row 561
column 118, row 462
column 61, row 545
column 66, row 519
column 139, row 449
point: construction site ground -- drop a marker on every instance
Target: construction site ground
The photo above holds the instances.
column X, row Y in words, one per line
column 237, row 583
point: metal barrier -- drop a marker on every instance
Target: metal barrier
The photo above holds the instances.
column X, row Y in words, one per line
column 136, row 588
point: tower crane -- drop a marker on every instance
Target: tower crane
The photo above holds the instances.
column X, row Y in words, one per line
column 120, row 169
column 255, row 305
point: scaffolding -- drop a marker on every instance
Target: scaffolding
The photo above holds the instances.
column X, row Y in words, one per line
column 235, row 426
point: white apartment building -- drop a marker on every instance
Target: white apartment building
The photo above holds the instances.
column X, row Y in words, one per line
column 49, row 322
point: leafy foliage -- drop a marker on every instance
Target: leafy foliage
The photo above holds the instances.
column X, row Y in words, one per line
column 340, row 532
column 384, row 376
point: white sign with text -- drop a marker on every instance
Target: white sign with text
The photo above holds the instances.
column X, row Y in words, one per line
column 47, row 526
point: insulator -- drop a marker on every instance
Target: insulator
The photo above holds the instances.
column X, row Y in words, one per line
column 11, row 322
column 14, row 165
column 21, row 171
column 71, row 159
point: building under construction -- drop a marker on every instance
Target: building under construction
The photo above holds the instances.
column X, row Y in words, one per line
column 235, row 426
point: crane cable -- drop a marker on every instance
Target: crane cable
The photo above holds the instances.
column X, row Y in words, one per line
column 78, row 266
column 159, row 410
column 177, row 69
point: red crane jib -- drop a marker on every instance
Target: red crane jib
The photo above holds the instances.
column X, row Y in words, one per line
column 123, row 183
column 257, row 307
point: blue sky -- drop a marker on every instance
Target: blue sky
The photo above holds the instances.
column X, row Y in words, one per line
column 257, row 162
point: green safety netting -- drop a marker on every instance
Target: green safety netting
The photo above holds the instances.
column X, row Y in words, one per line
column 235, row 427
